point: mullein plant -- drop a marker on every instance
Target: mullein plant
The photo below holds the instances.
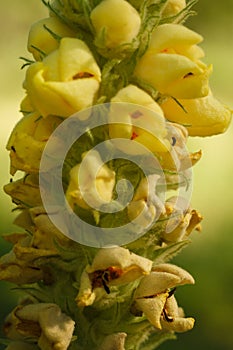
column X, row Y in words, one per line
column 139, row 60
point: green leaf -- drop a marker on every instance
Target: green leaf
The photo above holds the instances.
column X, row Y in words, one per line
column 165, row 254
column 155, row 339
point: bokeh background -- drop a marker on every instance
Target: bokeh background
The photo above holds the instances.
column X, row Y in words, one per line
column 209, row 258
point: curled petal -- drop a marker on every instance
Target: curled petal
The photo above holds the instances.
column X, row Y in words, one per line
column 179, row 324
column 184, row 276
column 152, row 308
column 155, row 283
column 174, row 36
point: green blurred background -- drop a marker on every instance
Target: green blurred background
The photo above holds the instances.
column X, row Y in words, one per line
column 209, row 257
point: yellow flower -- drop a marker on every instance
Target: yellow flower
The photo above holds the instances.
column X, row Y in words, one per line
column 173, row 7
column 139, row 118
column 41, row 41
column 91, row 183
column 153, row 293
column 44, row 322
column 202, row 116
column 65, row 82
column 28, row 139
column 117, row 20
column 110, row 267
column 172, row 63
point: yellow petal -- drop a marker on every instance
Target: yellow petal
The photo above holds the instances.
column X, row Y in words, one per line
column 172, row 35
column 204, row 116
column 75, row 57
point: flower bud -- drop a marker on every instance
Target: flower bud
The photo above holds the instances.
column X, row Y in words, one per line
column 28, row 139
column 41, row 41
column 117, row 20
column 173, row 7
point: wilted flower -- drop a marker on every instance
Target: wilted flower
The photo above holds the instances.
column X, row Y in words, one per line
column 114, row 341
column 153, row 293
column 172, row 63
column 204, row 116
column 181, row 221
column 110, row 267
column 25, row 192
column 43, row 322
column 145, row 206
column 41, row 38
column 20, row 264
column 91, row 183
column 28, row 139
column 65, row 82
column 138, row 118
column 116, row 21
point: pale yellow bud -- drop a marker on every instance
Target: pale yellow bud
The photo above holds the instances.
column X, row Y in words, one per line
column 119, row 21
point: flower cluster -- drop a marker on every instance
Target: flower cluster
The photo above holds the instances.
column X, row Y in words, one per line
column 138, row 61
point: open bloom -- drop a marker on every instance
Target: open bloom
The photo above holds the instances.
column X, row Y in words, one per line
column 28, row 139
column 43, row 322
column 172, row 63
column 117, row 20
column 138, row 118
column 41, row 40
column 91, row 183
column 110, row 267
column 65, row 82
column 204, row 116
column 153, row 294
